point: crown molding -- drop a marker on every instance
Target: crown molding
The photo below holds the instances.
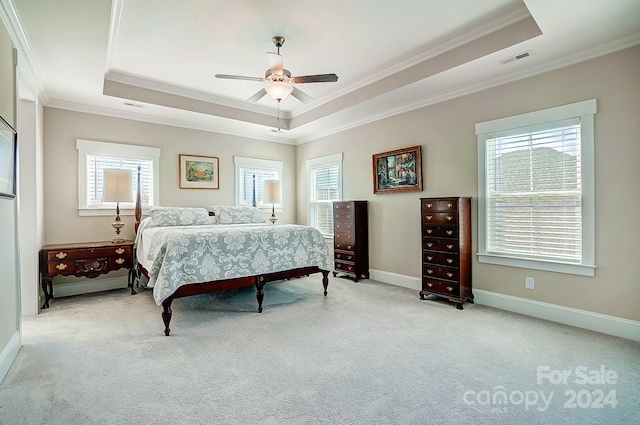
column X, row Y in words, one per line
column 124, row 78
column 591, row 53
column 27, row 62
column 478, row 32
column 585, row 55
column 193, row 125
column 114, row 27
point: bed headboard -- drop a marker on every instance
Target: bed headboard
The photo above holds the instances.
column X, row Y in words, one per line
column 138, row 208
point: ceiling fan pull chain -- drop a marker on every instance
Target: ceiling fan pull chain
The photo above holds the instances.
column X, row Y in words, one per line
column 278, row 116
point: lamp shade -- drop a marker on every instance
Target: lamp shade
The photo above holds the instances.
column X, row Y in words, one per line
column 117, row 186
column 272, row 192
column 278, row 90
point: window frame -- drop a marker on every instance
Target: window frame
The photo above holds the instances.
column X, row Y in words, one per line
column 90, row 147
column 261, row 164
column 317, row 163
column 585, row 111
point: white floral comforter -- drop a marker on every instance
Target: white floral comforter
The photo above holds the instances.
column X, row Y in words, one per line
column 182, row 255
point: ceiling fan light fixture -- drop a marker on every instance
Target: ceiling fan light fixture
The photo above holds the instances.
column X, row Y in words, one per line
column 278, row 90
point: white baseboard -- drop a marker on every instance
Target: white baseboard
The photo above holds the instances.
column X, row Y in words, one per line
column 396, row 279
column 610, row 325
column 9, row 354
column 88, row 286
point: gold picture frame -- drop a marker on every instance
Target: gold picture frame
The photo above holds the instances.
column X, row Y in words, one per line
column 199, row 172
column 398, row 171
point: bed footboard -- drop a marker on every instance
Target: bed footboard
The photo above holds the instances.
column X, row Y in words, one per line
column 220, row 285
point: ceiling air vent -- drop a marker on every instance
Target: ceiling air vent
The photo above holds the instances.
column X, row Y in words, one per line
column 519, row 56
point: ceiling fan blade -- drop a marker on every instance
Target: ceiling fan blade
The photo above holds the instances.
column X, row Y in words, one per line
column 320, row 78
column 256, row 97
column 238, row 77
column 301, row 96
column 275, row 63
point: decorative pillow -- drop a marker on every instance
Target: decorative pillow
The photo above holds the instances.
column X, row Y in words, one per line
column 178, row 216
column 238, row 215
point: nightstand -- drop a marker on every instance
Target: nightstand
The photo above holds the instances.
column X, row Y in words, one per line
column 88, row 259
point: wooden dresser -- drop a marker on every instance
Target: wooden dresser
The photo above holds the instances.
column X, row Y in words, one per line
column 351, row 239
column 89, row 259
column 446, row 249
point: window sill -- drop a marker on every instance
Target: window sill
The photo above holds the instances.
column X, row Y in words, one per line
column 551, row 266
column 94, row 212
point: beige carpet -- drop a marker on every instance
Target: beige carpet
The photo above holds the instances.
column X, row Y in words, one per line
column 368, row 353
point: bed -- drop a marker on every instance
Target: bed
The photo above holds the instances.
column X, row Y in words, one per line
column 189, row 251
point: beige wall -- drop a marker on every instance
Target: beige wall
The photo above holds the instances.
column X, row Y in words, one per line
column 62, row 223
column 446, row 132
column 9, row 300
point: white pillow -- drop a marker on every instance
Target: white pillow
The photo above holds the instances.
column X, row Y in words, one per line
column 238, row 215
column 178, row 216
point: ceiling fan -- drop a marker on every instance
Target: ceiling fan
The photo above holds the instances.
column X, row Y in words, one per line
column 279, row 80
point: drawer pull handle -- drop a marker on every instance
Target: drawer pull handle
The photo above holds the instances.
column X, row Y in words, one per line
column 119, row 251
column 449, row 218
column 348, row 206
column 349, row 246
column 450, row 274
column 449, row 260
column 429, row 230
column 429, row 284
column 450, row 246
column 429, row 244
column 450, row 288
column 449, row 205
column 429, row 258
column 61, row 266
column 61, row 255
column 428, row 217
column 119, row 261
column 449, row 232
column 429, row 205
column 430, row 271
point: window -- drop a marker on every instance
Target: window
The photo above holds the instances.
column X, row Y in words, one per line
column 324, row 179
column 252, row 172
column 536, row 190
column 95, row 157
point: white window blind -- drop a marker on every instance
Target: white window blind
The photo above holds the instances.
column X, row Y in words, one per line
column 254, row 171
column 534, row 193
column 94, row 157
column 536, row 196
column 250, row 177
column 324, row 187
column 96, row 164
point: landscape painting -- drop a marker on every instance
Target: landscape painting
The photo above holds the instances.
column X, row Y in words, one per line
column 199, row 172
column 398, row 171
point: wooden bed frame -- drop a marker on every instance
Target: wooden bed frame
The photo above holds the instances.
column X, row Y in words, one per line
column 219, row 285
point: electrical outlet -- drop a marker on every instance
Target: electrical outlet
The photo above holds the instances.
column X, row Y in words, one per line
column 529, row 282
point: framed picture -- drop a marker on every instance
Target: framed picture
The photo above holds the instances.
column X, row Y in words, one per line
column 8, row 140
column 398, row 171
column 199, row 172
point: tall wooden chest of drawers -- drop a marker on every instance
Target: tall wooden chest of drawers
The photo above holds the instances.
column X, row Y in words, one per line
column 446, row 249
column 351, row 239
